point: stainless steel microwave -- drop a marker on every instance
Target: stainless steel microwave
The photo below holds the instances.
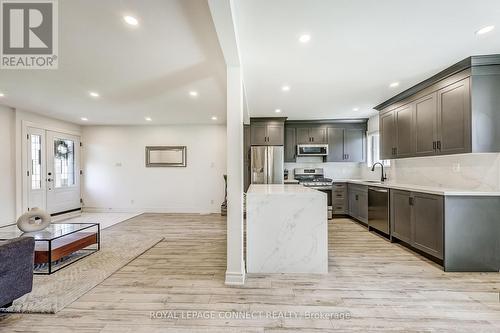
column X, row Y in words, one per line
column 312, row 150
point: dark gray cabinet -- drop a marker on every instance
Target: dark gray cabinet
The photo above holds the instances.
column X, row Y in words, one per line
column 270, row 133
column 303, row 136
column 354, row 145
column 311, row 135
column 401, row 215
column 418, row 219
column 340, row 199
column 387, row 135
column 427, row 223
column 335, row 144
column 403, row 118
column 453, row 112
column 290, row 144
column 454, row 122
column 346, row 144
column 425, row 128
column 358, row 202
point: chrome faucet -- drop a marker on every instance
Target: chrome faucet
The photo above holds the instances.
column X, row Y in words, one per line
column 383, row 176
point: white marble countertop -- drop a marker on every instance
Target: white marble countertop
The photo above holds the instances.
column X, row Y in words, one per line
column 291, row 181
column 281, row 189
column 419, row 188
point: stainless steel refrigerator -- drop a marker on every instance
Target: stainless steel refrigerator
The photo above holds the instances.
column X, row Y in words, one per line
column 266, row 164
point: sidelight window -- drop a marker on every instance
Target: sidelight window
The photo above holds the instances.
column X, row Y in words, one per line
column 36, row 162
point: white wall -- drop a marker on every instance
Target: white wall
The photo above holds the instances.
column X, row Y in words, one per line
column 467, row 171
column 7, row 166
column 115, row 177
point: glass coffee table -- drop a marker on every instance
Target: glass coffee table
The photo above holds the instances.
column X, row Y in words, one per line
column 59, row 245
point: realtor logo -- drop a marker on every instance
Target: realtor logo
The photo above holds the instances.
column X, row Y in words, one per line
column 29, row 34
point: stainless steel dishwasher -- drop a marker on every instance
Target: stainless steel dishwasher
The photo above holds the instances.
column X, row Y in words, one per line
column 378, row 209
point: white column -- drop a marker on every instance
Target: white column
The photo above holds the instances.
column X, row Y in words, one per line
column 235, row 271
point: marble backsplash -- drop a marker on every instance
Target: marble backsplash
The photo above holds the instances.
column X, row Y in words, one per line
column 467, row 171
column 332, row 170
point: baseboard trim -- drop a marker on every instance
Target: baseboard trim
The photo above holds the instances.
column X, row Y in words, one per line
column 148, row 210
column 235, row 279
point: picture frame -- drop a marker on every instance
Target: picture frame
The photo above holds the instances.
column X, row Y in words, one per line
column 166, row 156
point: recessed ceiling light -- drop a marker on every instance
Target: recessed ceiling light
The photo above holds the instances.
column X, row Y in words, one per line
column 193, row 93
column 305, row 38
column 394, row 84
column 2, row 95
column 84, row 119
column 94, row 94
column 131, row 20
column 285, row 88
column 355, row 109
column 485, row 30
column 148, row 119
column 214, row 118
column 277, row 110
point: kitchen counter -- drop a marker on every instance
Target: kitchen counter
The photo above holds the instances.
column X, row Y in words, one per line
column 423, row 189
column 287, row 229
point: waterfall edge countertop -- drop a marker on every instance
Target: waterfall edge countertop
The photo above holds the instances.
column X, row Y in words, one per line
column 445, row 191
column 287, row 229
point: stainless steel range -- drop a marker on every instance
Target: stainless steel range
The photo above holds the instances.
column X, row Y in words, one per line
column 315, row 179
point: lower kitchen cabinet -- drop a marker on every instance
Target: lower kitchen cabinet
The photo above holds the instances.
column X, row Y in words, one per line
column 358, row 202
column 418, row 219
column 401, row 215
column 428, row 223
column 340, row 200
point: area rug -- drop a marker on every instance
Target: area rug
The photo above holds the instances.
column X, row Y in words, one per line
column 54, row 292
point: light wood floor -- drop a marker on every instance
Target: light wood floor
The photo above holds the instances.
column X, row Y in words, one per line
column 384, row 287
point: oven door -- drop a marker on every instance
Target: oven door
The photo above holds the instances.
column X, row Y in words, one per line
column 329, row 200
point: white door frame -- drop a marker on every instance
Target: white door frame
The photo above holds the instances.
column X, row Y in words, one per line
column 22, row 178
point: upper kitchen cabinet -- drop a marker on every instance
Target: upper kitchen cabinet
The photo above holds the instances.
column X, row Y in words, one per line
column 335, row 144
column 267, row 131
column 454, row 126
column 290, row 144
column 346, row 140
column 346, row 144
column 354, row 145
column 453, row 112
column 307, row 135
column 387, row 135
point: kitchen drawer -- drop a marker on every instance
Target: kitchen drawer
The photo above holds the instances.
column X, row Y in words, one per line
column 339, row 201
column 339, row 186
column 339, row 195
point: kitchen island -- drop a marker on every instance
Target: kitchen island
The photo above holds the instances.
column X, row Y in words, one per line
column 287, row 229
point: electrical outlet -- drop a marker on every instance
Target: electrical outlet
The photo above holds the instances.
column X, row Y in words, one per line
column 118, row 164
column 211, row 202
column 132, row 202
column 456, row 167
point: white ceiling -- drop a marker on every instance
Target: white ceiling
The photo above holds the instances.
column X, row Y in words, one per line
column 143, row 71
column 357, row 48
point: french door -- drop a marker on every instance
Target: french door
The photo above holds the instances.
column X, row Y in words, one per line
column 53, row 171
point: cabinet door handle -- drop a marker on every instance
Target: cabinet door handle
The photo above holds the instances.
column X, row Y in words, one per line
column 439, row 145
column 434, row 145
column 356, row 197
column 410, row 201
